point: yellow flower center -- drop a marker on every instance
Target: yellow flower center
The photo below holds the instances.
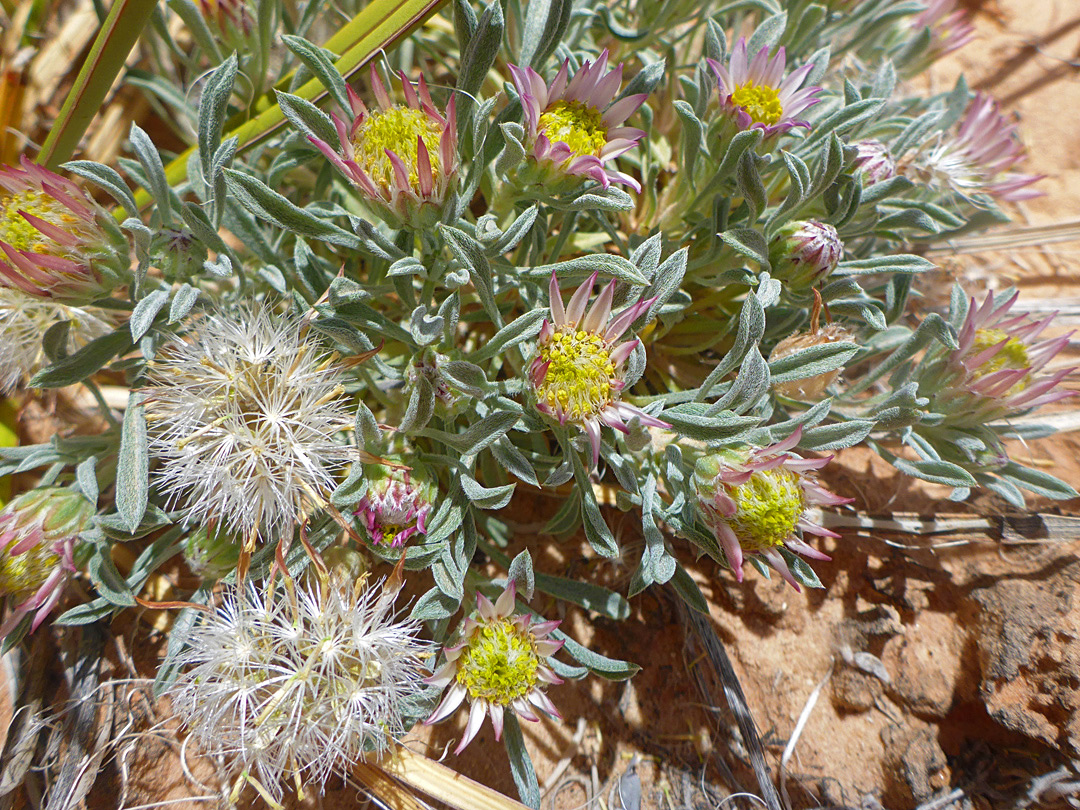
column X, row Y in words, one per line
column 761, row 102
column 396, row 129
column 580, row 375
column 577, row 125
column 19, row 233
column 499, row 664
column 22, row 574
column 1013, row 355
column 768, row 508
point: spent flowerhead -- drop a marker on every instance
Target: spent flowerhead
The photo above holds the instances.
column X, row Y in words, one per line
column 577, row 371
column 575, row 126
column 998, row 370
column 978, row 157
column 874, row 161
column 38, row 531
column 396, row 504
column 755, row 502
column 950, row 28
column 754, row 93
column 301, row 687
column 499, row 663
column 55, row 242
column 24, row 319
column 401, row 157
column 243, row 416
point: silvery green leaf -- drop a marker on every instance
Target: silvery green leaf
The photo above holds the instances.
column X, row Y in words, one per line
column 319, row 63
column 222, row 268
column 267, row 204
column 420, row 408
column 610, row 668
column 196, row 23
column 690, row 420
column 375, row 243
column 812, row 361
column 434, row 605
column 955, row 104
column 898, row 263
column 800, row 569
column 768, row 290
column 514, row 461
column 751, row 330
column 557, row 477
column 213, row 106
column 884, row 81
column 820, row 61
column 521, row 767
column 688, row 590
column 836, row 436
column 86, row 477
column 513, row 235
column 523, row 328
column 142, row 317
column 585, row 594
column 1006, row 489
column 645, row 80
column 467, row 377
column 693, row 134
column 150, row 160
column 767, row 34
column 108, row 581
column 608, row 199
column 545, row 24
column 426, row 329
column 79, row 365
column 750, row 386
column 521, row 573
column 479, row 435
column 581, row 267
column 308, row 118
column 469, row 252
column 597, row 532
column 446, row 581
column 845, row 119
column 635, row 365
column 55, row 341
column 464, row 23
column 751, row 187
column 179, row 633
column 749, row 243
column 513, row 152
column 646, row 256
column 133, row 465
column 1036, row 481
column 668, row 279
column 486, row 497
column 182, row 302
column 740, row 144
column 938, row 472
column 348, row 492
column 477, row 59
column 107, row 178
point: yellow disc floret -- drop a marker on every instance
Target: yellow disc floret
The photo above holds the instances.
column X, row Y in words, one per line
column 1013, row 355
column 22, row 574
column 580, row 374
column 578, row 125
column 768, row 508
column 396, row 129
column 761, row 102
column 20, row 234
column 499, row 663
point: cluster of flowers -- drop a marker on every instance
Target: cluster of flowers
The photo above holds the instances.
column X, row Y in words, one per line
column 376, row 365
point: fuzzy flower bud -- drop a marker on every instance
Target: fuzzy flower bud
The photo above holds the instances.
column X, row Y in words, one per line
column 211, row 553
column 55, row 242
column 803, row 254
column 38, row 531
column 874, row 161
column 755, row 502
column 303, row 687
column 499, row 663
column 396, row 504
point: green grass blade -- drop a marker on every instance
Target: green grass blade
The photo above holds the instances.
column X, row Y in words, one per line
column 377, row 27
column 111, row 48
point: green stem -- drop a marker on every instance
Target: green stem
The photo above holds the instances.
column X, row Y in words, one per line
column 113, row 44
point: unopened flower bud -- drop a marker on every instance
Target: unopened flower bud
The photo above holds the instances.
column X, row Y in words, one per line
column 396, row 504
column 874, row 161
column 211, row 553
column 805, row 253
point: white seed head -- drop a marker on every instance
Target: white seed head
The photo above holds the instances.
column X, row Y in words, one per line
column 24, row 319
column 243, row 415
column 301, row 690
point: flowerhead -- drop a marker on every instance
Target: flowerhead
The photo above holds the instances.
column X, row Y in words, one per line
column 577, row 371
column 874, row 161
column 804, row 253
column 950, row 27
column 24, row 319
column 396, row 504
column 401, row 157
column 499, row 663
column 997, row 371
column 755, row 501
column 53, row 241
column 301, row 688
column 243, row 414
column 38, row 531
column 574, row 125
column 978, row 158
column 756, row 94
